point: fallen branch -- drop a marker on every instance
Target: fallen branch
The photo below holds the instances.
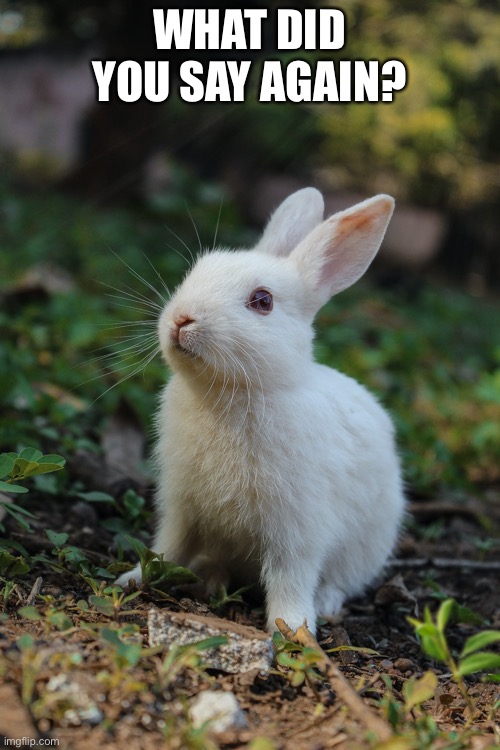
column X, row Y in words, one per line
column 442, row 508
column 343, row 688
column 443, row 562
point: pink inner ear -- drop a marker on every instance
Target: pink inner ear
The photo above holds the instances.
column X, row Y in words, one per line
column 359, row 222
column 353, row 245
column 338, row 252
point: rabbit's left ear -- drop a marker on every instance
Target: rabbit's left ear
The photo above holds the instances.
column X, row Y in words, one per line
column 338, row 251
column 292, row 221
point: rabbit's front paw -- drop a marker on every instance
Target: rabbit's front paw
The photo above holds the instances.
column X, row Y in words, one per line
column 134, row 574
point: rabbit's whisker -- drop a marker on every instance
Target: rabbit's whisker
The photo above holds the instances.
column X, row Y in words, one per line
column 146, row 360
column 138, row 276
column 127, row 292
column 179, row 239
column 195, row 227
column 117, row 357
column 218, row 222
column 160, row 277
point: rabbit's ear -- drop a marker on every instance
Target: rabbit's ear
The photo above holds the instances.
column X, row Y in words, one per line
column 337, row 252
column 292, row 221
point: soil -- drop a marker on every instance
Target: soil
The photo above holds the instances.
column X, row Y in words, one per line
column 59, row 690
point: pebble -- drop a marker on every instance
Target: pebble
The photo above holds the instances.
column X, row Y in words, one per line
column 220, row 708
column 404, row 665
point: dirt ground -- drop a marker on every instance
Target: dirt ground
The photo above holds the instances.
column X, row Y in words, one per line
column 446, row 551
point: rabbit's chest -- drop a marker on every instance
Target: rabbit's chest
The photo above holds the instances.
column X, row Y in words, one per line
column 233, row 469
column 229, row 475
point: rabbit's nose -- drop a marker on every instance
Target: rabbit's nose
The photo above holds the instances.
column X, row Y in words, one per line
column 180, row 323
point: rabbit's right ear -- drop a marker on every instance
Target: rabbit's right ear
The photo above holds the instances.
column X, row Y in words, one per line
column 292, row 221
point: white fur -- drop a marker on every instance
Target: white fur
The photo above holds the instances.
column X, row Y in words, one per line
column 272, row 466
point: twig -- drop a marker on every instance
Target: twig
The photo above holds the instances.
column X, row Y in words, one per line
column 34, row 591
column 360, row 710
column 442, row 508
column 443, row 562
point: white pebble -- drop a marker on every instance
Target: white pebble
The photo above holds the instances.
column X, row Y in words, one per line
column 220, row 708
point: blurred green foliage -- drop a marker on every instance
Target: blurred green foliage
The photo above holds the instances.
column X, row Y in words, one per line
column 432, row 356
column 437, row 142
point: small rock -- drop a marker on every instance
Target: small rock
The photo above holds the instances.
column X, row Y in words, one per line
column 246, row 648
column 220, row 708
column 74, row 693
column 404, row 665
column 394, row 592
column 84, row 512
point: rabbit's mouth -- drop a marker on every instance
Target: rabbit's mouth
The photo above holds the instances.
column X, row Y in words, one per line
column 186, row 352
column 178, row 347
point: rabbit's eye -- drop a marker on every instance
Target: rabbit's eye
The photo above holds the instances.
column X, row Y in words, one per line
column 261, row 301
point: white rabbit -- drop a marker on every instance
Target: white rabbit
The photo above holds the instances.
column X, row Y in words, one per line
column 273, row 467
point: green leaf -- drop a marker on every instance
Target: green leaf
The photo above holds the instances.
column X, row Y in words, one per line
column 131, row 596
column 432, row 641
column 31, row 613
column 286, row 660
column 444, row 613
column 60, row 620
column 417, row 691
column 96, row 497
column 298, row 678
column 133, row 504
column 480, row 662
column 466, row 615
column 130, row 652
column 57, row 538
column 6, row 544
column 24, row 468
column 6, row 464
column 160, row 572
column 73, row 554
column 25, row 641
column 358, row 649
column 143, row 553
column 30, row 454
column 110, row 636
column 12, row 566
column 53, row 458
column 104, row 606
column 13, row 506
column 262, row 743
column 6, row 487
column 42, row 469
column 479, row 641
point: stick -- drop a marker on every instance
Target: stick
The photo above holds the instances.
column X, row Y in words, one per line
column 443, row 562
column 360, row 710
column 34, row 591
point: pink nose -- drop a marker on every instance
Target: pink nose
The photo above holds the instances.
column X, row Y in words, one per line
column 180, row 321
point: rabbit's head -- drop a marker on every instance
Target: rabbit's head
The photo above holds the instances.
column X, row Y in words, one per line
column 246, row 316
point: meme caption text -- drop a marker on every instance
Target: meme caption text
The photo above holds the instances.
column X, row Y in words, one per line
column 298, row 80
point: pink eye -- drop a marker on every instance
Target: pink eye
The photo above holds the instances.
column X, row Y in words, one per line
column 261, row 301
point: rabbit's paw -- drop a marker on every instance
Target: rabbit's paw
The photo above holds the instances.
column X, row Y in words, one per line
column 134, row 574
